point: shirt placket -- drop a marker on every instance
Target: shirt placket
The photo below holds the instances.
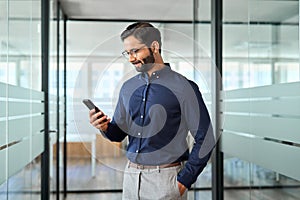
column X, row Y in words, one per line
column 142, row 115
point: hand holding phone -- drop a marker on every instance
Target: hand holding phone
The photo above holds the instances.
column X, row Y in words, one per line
column 92, row 106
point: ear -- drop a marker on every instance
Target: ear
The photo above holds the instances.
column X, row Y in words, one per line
column 155, row 47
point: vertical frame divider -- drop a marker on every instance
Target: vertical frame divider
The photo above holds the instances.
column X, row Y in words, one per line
column 65, row 108
column 195, row 49
column 57, row 101
column 216, row 52
column 45, row 88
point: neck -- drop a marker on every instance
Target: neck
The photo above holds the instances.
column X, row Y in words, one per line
column 158, row 65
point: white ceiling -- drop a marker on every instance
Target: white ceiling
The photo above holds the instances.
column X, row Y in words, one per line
column 241, row 10
column 129, row 9
column 84, row 37
column 103, row 37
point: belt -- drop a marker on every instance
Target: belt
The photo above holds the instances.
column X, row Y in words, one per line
column 139, row 166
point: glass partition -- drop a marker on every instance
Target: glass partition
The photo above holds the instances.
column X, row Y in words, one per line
column 56, row 98
column 53, row 85
column 261, row 83
column 203, row 76
column 21, row 118
column 3, row 79
column 96, row 70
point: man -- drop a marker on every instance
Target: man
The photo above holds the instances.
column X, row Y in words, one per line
column 155, row 110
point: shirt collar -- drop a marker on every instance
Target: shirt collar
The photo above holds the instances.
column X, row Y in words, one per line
column 157, row 73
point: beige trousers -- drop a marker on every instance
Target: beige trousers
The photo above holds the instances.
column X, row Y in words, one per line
column 151, row 184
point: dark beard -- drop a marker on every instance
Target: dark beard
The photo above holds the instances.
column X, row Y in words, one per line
column 148, row 63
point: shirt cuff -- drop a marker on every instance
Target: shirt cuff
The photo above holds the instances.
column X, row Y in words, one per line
column 185, row 179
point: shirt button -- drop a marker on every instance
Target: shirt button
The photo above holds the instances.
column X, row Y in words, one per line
column 157, row 77
column 153, row 73
column 144, row 99
column 136, row 151
column 139, row 133
column 142, row 116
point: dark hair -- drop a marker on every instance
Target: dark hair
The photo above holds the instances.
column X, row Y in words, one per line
column 145, row 32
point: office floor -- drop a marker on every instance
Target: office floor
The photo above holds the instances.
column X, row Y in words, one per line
column 109, row 176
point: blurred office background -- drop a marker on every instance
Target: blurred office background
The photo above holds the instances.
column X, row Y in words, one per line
column 49, row 62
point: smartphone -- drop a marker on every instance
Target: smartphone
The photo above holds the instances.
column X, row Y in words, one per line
column 91, row 106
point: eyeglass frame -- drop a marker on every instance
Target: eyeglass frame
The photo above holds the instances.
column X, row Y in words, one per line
column 132, row 52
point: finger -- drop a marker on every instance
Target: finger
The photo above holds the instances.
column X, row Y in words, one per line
column 92, row 116
column 92, row 112
column 102, row 119
column 98, row 122
column 95, row 116
column 95, row 123
column 102, row 126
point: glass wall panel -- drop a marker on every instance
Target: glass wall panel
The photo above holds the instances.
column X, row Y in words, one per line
column 20, row 102
column 203, row 76
column 96, row 70
column 56, row 92
column 261, row 57
column 19, row 53
column 52, row 94
column 20, row 16
column 36, row 61
column 61, row 72
column 3, row 96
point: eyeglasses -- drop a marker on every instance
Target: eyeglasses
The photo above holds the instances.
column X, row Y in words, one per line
column 132, row 52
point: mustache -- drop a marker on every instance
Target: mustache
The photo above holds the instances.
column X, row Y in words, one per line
column 148, row 60
column 136, row 62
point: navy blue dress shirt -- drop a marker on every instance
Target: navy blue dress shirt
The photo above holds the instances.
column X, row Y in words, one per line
column 156, row 113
